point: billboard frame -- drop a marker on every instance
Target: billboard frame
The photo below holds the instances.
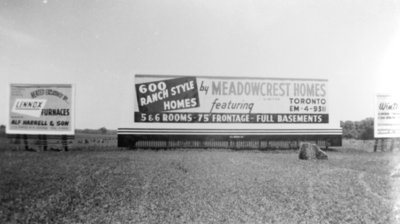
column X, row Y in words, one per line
column 40, row 132
column 130, row 133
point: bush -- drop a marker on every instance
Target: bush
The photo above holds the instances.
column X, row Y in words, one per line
column 363, row 129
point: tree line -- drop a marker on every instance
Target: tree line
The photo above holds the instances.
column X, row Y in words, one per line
column 363, row 129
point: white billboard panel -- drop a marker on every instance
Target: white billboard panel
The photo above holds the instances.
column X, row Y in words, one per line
column 229, row 102
column 387, row 116
column 41, row 109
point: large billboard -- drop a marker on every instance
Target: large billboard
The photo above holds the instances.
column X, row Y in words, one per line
column 387, row 116
column 41, row 109
column 235, row 100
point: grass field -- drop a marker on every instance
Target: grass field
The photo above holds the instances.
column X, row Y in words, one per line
column 197, row 186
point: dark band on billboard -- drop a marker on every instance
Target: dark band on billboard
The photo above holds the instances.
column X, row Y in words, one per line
column 167, row 117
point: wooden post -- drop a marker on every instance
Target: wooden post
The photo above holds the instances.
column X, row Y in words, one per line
column 391, row 144
column 64, row 142
column 18, row 141
column 134, row 145
column 26, row 142
column 43, row 142
column 376, row 144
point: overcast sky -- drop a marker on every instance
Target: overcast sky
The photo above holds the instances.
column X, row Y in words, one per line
column 99, row 45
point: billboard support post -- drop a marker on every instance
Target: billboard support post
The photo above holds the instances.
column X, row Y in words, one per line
column 26, row 142
column 376, row 144
column 65, row 143
column 43, row 142
column 392, row 144
column 383, row 142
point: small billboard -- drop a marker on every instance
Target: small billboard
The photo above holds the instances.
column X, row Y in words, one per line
column 41, row 109
column 387, row 116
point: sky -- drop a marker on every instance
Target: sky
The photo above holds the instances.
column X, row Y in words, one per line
column 98, row 45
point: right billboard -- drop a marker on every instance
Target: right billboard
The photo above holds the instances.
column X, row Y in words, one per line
column 387, row 116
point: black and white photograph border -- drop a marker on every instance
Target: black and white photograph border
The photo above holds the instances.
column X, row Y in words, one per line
column 198, row 111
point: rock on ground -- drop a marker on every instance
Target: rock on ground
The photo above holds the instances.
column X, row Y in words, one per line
column 311, row 151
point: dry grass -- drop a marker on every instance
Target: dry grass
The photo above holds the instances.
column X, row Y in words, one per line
column 368, row 145
column 195, row 187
